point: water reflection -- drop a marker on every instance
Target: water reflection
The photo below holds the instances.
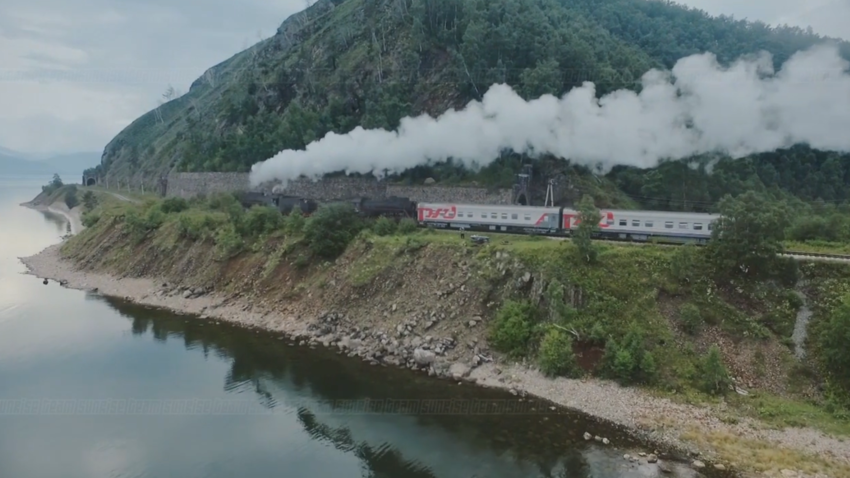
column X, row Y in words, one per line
column 392, row 444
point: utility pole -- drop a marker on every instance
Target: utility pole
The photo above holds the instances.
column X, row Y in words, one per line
column 550, row 194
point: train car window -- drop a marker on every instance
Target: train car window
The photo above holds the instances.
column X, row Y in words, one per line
column 636, row 222
column 513, row 216
column 668, row 225
column 710, row 225
column 648, row 223
column 483, row 215
column 697, row 226
column 493, row 215
column 610, row 221
column 527, row 217
column 623, row 222
column 504, row 215
column 683, row 225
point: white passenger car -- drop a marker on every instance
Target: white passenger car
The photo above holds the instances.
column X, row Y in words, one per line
column 644, row 225
column 501, row 218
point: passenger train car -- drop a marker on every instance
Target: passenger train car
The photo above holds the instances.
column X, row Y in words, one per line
column 615, row 224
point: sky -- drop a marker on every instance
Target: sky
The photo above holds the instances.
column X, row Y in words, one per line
column 74, row 74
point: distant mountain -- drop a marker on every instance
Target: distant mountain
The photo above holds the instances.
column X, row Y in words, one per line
column 68, row 165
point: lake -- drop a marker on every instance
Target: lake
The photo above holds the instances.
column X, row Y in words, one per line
column 93, row 387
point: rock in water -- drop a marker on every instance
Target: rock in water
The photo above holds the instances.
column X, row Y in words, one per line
column 423, row 357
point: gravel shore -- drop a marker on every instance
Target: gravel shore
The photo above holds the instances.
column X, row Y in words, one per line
column 656, row 419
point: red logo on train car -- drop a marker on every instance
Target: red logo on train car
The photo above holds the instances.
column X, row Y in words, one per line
column 437, row 213
column 572, row 220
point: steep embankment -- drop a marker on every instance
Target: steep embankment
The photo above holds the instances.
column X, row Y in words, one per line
column 496, row 315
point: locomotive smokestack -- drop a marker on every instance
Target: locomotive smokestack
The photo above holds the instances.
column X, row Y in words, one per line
column 698, row 107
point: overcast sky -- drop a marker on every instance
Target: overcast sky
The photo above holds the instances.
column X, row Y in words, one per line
column 73, row 74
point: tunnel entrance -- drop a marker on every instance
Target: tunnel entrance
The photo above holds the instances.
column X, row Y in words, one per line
column 91, row 181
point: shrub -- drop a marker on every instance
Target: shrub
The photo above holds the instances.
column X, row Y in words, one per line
column 556, row 355
column 71, row 199
column 89, row 201
column 261, row 220
column 294, row 222
column 135, row 224
column 174, row 205
column 832, row 340
column 53, row 185
column 384, row 227
column 715, row 379
column 691, row 319
column 407, row 226
column 196, row 226
column 331, row 229
column 628, row 361
column 90, row 218
column 228, row 242
column 513, row 328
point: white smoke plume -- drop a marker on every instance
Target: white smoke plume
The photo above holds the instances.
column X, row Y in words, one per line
column 697, row 108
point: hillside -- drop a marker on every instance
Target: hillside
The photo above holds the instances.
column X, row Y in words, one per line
column 681, row 328
column 340, row 64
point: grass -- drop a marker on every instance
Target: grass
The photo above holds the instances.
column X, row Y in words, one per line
column 762, row 456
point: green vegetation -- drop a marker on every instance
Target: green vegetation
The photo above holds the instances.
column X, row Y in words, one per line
column 583, row 236
column 71, row 199
column 89, row 201
column 53, row 185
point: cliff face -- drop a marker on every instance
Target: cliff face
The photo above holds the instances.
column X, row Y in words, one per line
column 340, row 64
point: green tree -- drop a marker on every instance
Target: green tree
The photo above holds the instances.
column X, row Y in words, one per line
column 715, row 379
column 89, row 200
column 384, row 227
column 53, row 185
column 691, row 319
column 331, row 229
column 582, row 236
column 559, row 311
column 71, row 199
column 556, row 356
column 294, row 222
column 513, row 328
column 748, row 235
column 832, row 342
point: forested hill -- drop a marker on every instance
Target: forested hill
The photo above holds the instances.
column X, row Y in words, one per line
column 343, row 63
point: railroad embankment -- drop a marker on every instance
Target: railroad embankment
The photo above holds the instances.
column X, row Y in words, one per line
column 640, row 336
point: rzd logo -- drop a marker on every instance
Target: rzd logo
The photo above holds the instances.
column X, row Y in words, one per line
column 438, row 213
column 573, row 220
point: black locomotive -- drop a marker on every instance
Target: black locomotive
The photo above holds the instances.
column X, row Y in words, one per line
column 392, row 206
column 285, row 204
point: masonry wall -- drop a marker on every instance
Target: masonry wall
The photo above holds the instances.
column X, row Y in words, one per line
column 188, row 185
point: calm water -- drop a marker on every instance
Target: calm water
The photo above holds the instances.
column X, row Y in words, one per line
column 65, row 344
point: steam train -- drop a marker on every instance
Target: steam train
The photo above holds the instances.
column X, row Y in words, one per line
column 616, row 224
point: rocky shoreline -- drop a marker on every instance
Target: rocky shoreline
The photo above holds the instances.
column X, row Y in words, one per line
column 637, row 412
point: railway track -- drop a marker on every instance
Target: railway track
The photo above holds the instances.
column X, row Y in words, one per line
column 818, row 255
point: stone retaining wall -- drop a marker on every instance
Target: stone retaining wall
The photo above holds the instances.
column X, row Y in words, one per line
column 188, row 185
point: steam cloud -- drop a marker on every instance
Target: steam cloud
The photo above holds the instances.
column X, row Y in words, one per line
column 699, row 107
